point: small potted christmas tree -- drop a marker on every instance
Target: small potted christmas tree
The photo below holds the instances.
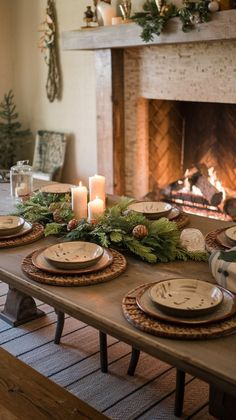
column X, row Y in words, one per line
column 12, row 137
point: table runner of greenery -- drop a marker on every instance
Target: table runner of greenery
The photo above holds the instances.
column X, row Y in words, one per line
column 120, row 228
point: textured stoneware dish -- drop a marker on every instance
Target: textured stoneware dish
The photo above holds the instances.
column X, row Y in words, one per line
column 26, row 228
column 231, row 233
column 10, row 224
column 57, row 188
column 73, row 255
column 186, row 297
column 224, row 311
column 39, row 261
column 151, row 209
column 224, row 240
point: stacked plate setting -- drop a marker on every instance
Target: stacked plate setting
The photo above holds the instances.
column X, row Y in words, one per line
column 70, row 258
column 227, row 237
column 155, row 209
column 186, row 301
column 13, row 227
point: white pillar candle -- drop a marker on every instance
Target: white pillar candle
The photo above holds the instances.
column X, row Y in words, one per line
column 79, row 197
column 116, row 20
column 95, row 209
column 22, row 190
column 97, row 188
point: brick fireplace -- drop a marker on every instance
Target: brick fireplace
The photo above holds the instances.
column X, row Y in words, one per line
column 174, row 72
column 192, row 119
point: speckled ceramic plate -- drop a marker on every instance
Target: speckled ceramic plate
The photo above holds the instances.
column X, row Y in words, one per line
column 72, row 255
column 223, row 240
column 231, row 233
column 10, row 224
column 174, row 213
column 57, row 188
column 151, row 209
column 224, row 311
column 27, row 227
column 39, row 261
column 186, row 297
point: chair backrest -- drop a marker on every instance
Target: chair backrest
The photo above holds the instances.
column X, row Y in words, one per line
column 49, row 153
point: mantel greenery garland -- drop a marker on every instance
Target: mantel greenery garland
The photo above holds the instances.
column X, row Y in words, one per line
column 154, row 19
column 161, row 241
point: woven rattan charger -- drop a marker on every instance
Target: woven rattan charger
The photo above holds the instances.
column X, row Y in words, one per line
column 146, row 323
column 117, row 267
column 35, row 234
column 211, row 240
column 181, row 220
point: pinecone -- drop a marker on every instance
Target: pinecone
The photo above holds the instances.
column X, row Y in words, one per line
column 57, row 216
column 72, row 224
column 139, row 231
column 54, row 206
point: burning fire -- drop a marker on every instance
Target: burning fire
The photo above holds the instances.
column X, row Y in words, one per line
column 216, row 182
column 186, row 192
column 212, row 178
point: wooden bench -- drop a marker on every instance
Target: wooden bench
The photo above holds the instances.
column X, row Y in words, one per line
column 26, row 394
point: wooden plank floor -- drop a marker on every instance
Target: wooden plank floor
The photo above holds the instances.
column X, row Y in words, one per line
column 74, row 364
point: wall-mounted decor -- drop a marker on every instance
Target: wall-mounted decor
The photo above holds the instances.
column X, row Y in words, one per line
column 48, row 45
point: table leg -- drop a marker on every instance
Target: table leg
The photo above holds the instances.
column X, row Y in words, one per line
column 60, row 326
column 19, row 308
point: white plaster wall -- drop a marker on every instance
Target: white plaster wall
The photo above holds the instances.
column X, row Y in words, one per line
column 75, row 113
column 6, row 51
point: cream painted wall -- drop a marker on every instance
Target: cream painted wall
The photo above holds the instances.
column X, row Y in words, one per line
column 25, row 71
column 75, row 113
column 6, row 50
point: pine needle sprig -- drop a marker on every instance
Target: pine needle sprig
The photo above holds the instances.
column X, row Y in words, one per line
column 114, row 229
column 154, row 21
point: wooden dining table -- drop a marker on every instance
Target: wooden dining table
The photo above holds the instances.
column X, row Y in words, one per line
column 100, row 306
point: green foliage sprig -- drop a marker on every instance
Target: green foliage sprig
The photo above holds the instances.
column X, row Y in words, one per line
column 114, row 229
column 47, row 209
column 153, row 21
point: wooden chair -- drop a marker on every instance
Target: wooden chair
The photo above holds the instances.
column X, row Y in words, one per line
column 180, row 382
column 180, row 375
column 49, row 155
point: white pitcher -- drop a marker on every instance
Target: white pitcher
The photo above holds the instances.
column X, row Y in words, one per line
column 105, row 12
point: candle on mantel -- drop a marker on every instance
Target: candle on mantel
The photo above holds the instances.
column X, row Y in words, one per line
column 95, row 209
column 97, row 188
column 79, row 197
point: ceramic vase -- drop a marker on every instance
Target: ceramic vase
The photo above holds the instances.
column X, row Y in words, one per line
column 105, row 13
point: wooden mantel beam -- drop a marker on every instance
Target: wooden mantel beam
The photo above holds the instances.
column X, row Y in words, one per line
column 221, row 27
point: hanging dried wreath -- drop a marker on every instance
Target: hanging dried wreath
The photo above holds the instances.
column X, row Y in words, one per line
column 48, row 45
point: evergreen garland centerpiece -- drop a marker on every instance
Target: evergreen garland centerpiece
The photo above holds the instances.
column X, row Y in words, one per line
column 156, row 14
column 11, row 135
column 119, row 228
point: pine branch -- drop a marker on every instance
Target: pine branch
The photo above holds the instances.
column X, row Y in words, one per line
column 153, row 22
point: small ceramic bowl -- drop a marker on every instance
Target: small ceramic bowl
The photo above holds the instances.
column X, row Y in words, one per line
column 72, row 255
column 10, row 225
column 186, row 297
column 151, row 209
column 230, row 233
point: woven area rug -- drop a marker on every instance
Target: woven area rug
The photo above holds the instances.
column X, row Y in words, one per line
column 75, row 365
